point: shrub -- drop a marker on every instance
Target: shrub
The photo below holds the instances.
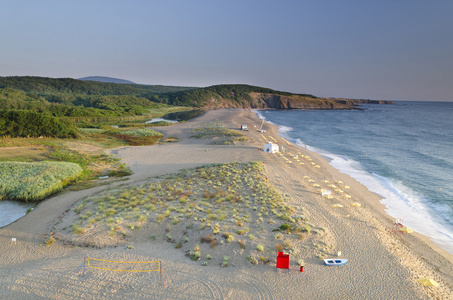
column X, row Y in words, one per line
column 77, row 229
column 225, row 261
column 229, row 237
column 252, row 260
column 206, row 238
column 50, row 241
column 260, row 247
column 279, row 247
column 195, row 255
column 287, row 243
column 242, row 244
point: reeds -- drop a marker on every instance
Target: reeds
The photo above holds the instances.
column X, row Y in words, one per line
column 31, row 181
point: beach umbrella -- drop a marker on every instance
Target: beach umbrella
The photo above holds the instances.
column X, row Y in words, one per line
column 336, row 205
column 406, row 230
column 427, row 282
column 357, row 204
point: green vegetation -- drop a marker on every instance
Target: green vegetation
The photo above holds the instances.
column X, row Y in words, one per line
column 76, row 98
column 35, row 180
column 50, row 241
column 216, row 130
column 22, row 123
column 238, row 95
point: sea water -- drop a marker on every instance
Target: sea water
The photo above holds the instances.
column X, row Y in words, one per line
column 403, row 152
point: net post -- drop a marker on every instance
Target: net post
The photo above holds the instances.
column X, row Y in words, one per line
column 84, row 264
column 160, row 268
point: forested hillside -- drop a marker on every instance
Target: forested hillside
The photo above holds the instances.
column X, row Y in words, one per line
column 45, row 85
column 66, row 97
column 107, row 99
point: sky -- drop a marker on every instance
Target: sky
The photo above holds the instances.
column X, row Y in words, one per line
column 387, row 49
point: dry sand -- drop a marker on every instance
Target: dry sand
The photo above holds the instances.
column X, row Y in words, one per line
column 381, row 265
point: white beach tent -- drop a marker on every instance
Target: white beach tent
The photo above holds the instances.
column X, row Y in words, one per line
column 270, row 148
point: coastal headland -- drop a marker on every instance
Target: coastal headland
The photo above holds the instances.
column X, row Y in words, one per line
column 380, row 264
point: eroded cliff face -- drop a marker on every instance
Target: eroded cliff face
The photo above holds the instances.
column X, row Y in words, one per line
column 283, row 102
column 265, row 101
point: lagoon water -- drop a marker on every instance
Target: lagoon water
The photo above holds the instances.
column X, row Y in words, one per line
column 403, row 152
column 10, row 211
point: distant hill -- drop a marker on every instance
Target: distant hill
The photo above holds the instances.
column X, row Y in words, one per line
column 79, row 98
column 106, row 79
column 247, row 96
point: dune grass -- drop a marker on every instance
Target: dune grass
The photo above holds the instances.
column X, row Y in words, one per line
column 227, row 205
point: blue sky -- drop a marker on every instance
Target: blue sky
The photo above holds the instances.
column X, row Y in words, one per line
column 400, row 50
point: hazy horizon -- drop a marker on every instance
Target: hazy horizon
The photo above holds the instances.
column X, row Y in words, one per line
column 354, row 49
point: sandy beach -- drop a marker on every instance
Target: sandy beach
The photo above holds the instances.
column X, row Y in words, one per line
column 381, row 265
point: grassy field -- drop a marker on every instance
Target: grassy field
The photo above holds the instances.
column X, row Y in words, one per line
column 31, row 153
column 31, row 181
column 88, row 151
column 218, row 132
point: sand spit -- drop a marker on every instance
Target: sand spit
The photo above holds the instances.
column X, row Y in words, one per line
column 381, row 265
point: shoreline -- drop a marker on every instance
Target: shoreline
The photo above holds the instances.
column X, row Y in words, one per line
column 421, row 243
column 433, row 244
column 381, row 265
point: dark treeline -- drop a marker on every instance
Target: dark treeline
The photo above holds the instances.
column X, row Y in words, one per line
column 69, row 86
column 25, row 123
column 75, row 106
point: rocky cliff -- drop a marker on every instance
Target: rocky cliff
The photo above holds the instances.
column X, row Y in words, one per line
column 305, row 102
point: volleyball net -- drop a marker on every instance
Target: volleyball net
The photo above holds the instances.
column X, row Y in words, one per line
column 126, row 266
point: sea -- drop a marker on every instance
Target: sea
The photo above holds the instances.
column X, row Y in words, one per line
column 403, row 152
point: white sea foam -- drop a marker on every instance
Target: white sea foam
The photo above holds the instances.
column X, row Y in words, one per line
column 261, row 117
column 400, row 201
column 284, row 129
